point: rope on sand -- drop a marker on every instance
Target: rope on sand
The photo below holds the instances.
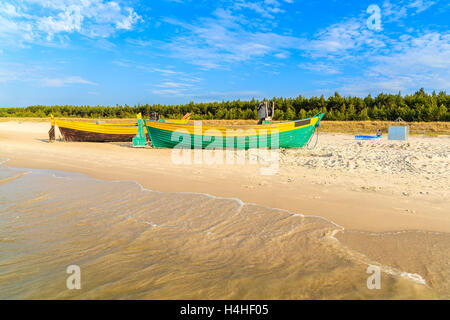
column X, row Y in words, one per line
column 310, row 139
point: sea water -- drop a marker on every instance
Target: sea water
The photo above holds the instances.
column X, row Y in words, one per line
column 134, row 243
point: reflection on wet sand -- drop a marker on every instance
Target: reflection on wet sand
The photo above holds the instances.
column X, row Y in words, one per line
column 132, row 243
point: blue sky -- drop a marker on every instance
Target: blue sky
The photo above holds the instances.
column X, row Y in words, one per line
column 101, row 52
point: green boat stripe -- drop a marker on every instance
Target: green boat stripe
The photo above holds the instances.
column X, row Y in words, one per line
column 295, row 138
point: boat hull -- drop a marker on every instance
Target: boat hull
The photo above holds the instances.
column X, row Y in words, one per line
column 86, row 136
column 293, row 134
column 96, row 132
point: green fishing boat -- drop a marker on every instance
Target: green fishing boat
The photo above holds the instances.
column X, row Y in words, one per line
column 291, row 134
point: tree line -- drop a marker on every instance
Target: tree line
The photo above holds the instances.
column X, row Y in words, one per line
column 419, row 106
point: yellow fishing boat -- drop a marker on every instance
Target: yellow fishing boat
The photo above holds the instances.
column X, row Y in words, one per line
column 97, row 131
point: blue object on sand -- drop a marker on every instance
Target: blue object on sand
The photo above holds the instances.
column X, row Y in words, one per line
column 368, row 137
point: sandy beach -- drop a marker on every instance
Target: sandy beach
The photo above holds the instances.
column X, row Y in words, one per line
column 372, row 186
column 391, row 198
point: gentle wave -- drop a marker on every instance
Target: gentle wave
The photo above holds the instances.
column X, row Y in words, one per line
column 254, row 232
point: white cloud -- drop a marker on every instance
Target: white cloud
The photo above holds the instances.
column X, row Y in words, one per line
column 122, row 63
column 320, row 68
column 282, row 55
column 60, row 82
column 140, row 42
column 18, row 72
column 68, row 20
column 165, row 71
column 266, row 8
column 392, row 12
column 422, row 61
column 173, row 92
column 359, row 59
column 34, row 20
column 8, row 9
column 420, row 5
column 402, row 62
column 209, row 95
column 37, row 74
column 169, row 84
column 343, row 37
column 413, row 63
column 13, row 32
column 224, row 38
column 128, row 21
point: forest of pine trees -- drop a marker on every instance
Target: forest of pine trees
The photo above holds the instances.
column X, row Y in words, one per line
column 420, row 106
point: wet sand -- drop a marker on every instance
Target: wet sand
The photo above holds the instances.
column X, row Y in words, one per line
column 350, row 205
column 130, row 242
column 387, row 186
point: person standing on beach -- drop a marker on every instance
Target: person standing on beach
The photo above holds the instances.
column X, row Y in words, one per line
column 262, row 112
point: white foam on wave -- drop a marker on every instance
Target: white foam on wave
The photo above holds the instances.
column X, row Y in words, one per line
column 362, row 258
column 144, row 189
column 397, row 232
column 416, row 278
column 150, row 223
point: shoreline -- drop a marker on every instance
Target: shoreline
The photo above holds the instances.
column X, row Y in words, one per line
column 347, row 199
column 363, row 247
column 348, row 223
column 386, row 203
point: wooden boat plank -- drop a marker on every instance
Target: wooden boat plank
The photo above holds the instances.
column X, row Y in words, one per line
column 86, row 136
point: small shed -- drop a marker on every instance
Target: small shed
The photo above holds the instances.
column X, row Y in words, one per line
column 399, row 132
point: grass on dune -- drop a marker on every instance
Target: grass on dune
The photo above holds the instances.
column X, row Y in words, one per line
column 433, row 128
